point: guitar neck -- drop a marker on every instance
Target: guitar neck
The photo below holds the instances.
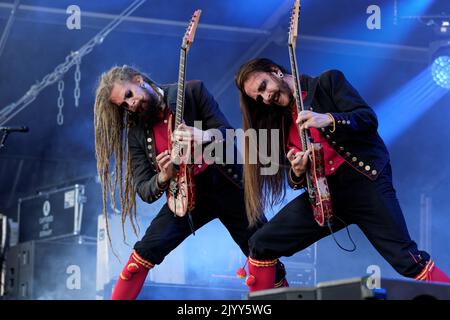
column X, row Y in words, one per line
column 304, row 136
column 180, row 90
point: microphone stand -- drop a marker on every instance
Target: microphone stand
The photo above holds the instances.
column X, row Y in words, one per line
column 2, row 141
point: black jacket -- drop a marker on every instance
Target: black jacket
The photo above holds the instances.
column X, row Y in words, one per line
column 355, row 137
column 199, row 105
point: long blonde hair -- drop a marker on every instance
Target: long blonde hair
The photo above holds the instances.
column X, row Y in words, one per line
column 111, row 124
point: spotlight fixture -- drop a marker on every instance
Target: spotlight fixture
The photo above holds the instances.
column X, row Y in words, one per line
column 444, row 28
column 440, row 63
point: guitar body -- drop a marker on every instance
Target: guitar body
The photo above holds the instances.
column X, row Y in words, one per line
column 181, row 192
column 319, row 193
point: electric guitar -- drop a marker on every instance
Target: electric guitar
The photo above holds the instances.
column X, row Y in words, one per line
column 181, row 191
column 316, row 182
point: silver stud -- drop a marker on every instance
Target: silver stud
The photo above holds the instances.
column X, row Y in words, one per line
column 327, row 136
column 339, row 121
column 330, row 162
column 149, row 139
column 333, row 142
column 165, row 121
column 354, row 159
column 199, row 166
column 361, row 164
column 230, row 170
column 235, row 176
column 341, row 148
column 367, row 168
column 348, row 154
column 332, row 169
column 374, row 172
column 149, row 147
column 348, row 121
column 323, row 129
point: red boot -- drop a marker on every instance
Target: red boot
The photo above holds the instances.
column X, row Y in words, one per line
column 431, row 273
column 282, row 284
column 131, row 278
column 280, row 276
column 261, row 274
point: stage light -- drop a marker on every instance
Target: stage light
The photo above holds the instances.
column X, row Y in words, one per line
column 441, row 71
column 440, row 63
column 444, row 28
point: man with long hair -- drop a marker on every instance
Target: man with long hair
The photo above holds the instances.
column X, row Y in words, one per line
column 131, row 115
column 357, row 169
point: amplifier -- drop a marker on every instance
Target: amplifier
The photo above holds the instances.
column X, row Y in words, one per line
column 358, row 289
column 301, row 275
column 307, row 256
column 3, row 246
column 50, row 215
column 61, row 269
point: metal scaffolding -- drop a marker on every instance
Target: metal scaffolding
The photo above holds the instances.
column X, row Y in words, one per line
column 72, row 59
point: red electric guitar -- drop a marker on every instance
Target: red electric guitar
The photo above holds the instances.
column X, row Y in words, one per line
column 181, row 192
column 317, row 185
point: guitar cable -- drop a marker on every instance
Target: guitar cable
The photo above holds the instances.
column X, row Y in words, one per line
column 191, row 222
column 348, row 233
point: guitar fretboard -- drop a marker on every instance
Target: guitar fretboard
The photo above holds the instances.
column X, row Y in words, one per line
column 304, row 136
column 180, row 91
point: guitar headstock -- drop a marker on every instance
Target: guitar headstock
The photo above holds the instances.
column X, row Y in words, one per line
column 188, row 38
column 293, row 25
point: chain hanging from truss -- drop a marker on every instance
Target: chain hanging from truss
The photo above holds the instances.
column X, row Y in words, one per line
column 76, row 91
column 72, row 59
column 60, row 103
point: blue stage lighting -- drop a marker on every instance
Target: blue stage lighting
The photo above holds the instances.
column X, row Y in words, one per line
column 441, row 71
column 440, row 62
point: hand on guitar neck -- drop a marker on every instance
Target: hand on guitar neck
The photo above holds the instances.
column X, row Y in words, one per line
column 186, row 134
column 167, row 161
column 187, row 138
column 310, row 119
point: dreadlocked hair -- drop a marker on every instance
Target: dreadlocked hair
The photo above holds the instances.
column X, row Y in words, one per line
column 111, row 124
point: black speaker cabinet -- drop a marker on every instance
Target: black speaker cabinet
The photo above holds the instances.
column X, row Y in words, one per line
column 51, row 270
column 59, row 213
column 358, row 289
column 53, row 214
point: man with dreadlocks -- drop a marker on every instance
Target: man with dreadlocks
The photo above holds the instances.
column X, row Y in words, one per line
column 130, row 120
column 357, row 170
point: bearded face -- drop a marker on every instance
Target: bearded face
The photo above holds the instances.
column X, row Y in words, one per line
column 269, row 88
column 138, row 98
